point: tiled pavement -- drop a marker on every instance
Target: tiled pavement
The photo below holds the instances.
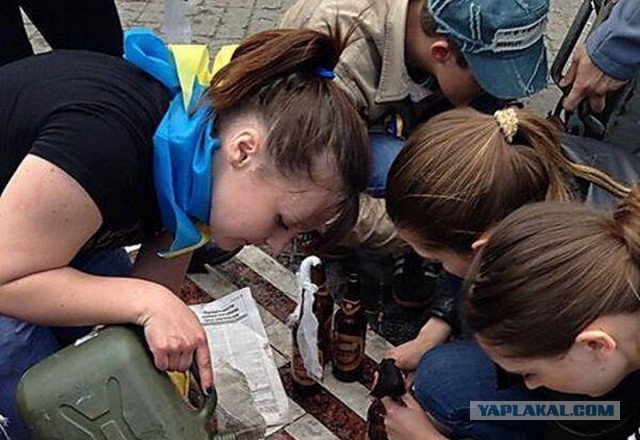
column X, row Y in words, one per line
column 339, row 410
column 219, row 22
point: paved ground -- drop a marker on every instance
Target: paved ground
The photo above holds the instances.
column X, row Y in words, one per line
column 218, row 22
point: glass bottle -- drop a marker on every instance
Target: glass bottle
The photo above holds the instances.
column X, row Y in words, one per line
column 303, row 384
column 349, row 332
column 323, row 309
column 390, row 383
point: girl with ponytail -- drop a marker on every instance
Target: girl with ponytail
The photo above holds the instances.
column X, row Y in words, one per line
column 554, row 297
column 459, row 175
column 99, row 152
column 557, row 287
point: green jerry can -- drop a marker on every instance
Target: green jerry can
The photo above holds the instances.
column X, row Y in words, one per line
column 108, row 388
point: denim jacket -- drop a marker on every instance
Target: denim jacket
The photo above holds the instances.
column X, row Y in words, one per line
column 614, row 46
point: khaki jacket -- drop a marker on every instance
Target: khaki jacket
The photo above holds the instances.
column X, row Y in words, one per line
column 372, row 69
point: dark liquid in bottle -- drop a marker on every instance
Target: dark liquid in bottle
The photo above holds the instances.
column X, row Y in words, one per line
column 323, row 309
column 349, row 332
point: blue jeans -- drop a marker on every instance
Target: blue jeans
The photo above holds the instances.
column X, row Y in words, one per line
column 384, row 149
column 23, row 344
column 451, row 375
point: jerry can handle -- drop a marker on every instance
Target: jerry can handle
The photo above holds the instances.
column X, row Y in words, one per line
column 205, row 413
column 210, row 403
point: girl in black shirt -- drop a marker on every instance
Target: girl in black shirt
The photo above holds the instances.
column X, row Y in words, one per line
column 282, row 150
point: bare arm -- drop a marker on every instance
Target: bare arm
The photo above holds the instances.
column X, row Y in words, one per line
column 45, row 218
column 432, row 334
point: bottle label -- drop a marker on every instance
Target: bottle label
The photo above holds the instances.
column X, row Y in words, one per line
column 350, row 307
column 348, row 351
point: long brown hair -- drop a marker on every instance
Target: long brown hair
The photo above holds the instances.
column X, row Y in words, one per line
column 458, row 176
column 549, row 270
column 276, row 76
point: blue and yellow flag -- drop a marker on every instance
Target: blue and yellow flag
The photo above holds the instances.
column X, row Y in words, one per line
column 183, row 142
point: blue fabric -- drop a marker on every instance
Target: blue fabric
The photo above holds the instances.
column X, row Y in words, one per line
column 450, row 376
column 505, row 50
column 183, row 146
column 613, row 46
column 22, row 344
column 384, row 149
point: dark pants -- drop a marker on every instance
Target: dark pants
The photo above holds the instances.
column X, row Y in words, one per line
column 452, row 375
column 64, row 24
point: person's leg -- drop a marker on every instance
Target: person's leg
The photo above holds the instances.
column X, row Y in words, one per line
column 452, row 375
column 77, row 24
column 14, row 42
column 21, row 346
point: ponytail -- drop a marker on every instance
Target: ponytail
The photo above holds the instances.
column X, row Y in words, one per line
column 463, row 171
column 542, row 136
column 271, row 56
column 284, row 78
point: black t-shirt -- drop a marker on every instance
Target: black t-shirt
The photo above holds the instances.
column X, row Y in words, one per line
column 94, row 116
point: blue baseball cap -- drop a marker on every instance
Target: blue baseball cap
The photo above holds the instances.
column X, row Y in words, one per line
column 501, row 40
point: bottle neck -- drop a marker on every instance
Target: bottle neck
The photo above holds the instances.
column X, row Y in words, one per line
column 323, row 289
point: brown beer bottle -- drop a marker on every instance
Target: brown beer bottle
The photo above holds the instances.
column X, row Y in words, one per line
column 390, row 383
column 349, row 332
column 302, row 384
column 323, row 309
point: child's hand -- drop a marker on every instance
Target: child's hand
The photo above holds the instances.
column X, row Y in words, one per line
column 406, row 420
column 408, row 355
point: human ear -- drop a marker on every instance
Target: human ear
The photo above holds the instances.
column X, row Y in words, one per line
column 441, row 50
column 243, row 147
column 596, row 341
column 481, row 241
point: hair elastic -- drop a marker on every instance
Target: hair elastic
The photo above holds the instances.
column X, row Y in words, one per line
column 325, row 73
column 508, row 122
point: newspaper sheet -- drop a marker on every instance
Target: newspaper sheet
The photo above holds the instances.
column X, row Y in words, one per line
column 237, row 336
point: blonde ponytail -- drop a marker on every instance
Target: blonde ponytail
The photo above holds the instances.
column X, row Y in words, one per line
column 462, row 172
column 542, row 136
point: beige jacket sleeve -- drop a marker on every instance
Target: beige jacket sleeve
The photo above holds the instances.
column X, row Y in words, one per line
column 374, row 229
column 357, row 72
